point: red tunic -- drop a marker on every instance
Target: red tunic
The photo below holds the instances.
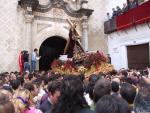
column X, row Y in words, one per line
column 21, row 62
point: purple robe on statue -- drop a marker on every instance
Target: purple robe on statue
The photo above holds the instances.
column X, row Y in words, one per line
column 73, row 46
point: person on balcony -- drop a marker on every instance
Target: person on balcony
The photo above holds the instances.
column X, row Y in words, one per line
column 114, row 14
column 132, row 4
column 108, row 16
column 125, row 8
column 119, row 11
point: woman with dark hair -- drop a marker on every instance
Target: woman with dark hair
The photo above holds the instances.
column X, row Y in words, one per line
column 72, row 97
column 5, row 105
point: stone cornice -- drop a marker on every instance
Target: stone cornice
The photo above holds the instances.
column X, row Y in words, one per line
column 28, row 3
column 55, row 4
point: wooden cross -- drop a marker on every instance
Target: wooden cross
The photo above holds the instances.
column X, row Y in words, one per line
column 77, row 34
column 72, row 26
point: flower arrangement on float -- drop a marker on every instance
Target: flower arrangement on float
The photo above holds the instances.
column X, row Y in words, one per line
column 64, row 67
column 92, row 63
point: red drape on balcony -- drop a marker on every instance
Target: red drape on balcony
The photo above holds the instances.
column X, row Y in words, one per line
column 134, row 16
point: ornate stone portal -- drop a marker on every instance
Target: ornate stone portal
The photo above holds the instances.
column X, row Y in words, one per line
column 50, row 19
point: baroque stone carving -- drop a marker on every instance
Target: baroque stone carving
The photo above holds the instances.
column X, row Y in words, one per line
column 57, row 13
column 58, row 20
column 61, row 4
column 28, row 3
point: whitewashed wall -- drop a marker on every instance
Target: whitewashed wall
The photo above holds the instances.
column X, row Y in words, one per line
column 118, row 41
column 11, row 34
column 97, row 38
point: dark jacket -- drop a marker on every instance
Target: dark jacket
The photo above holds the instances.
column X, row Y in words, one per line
column 132, row 5
column 49, row 111
column 85, row 110
column 46, row 106
column 26, row 57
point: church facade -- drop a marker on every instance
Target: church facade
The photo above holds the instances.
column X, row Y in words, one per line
column 27, row 24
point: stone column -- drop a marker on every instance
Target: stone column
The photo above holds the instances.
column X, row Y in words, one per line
column 28, row 33
column 84, row 38
column 28, row 30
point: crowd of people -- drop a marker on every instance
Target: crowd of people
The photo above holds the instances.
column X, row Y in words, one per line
column 131, row 4
column 123, row 91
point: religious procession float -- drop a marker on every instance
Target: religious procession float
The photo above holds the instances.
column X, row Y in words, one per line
column 78, row 61
column 91, row 63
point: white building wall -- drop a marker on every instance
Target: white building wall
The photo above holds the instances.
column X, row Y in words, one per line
column 118, row 42
column 97, row 38
column 11, row 34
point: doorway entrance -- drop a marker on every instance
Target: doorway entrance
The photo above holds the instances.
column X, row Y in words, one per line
column 138, row 56
column 50, row 49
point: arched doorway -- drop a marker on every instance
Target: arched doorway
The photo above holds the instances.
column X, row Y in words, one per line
column 50, row 49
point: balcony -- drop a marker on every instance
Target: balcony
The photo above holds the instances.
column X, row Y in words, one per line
column 131, row 18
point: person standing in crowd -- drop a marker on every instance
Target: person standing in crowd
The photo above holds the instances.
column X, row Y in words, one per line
column 101, row 88
column 34, row 58
column 6, row 106
column 21, row 62
column 53, row 95
column 110, row 104
column 142, row 100
column 71, row 99
column 115, row 89
column 128, row 92
column 26, row 61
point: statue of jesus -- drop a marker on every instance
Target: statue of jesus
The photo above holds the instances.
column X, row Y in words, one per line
column 74, row 48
